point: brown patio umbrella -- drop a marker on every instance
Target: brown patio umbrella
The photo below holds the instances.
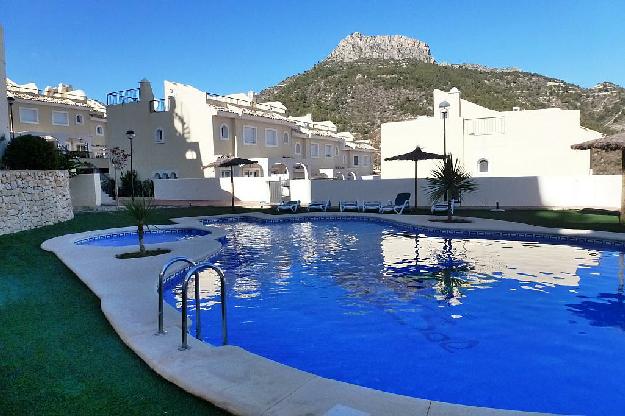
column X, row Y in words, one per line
column 416, row 155
column 609, row 143
column 231, row 162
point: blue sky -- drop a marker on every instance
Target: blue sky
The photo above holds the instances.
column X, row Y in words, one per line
column 229, row 46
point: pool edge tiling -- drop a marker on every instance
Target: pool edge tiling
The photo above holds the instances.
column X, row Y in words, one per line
column 230, row 377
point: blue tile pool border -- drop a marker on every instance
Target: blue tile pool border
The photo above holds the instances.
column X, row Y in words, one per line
column 194, row 232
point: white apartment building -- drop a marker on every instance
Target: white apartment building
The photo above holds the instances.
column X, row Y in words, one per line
column 181, row 135
column 490, row 143
column 4, row 108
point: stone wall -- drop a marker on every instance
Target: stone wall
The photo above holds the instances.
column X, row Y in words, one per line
column 33, row 198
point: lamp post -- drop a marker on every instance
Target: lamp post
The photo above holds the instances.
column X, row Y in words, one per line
column 131, row 135
column 443, row 106
column 11, row 100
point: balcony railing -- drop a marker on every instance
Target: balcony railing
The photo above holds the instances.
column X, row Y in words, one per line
column 122, row 96
column 157, row 106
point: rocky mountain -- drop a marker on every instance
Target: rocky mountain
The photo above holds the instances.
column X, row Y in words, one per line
column 369, row 80
column 358, row 46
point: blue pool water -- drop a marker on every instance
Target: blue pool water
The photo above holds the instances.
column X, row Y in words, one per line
column 506, row 324
column 152, row 236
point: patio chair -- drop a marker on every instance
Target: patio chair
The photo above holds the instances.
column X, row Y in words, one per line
column 401, row 202
column 292, row 206
column 319, row 205
column 441, row 207
column 371, row 206
column 349, row 205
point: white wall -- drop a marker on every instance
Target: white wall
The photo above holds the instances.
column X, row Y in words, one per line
column 85, row 190
column 593, row 191
column 211, row 189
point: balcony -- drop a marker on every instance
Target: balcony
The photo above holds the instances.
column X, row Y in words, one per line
column 122, row 97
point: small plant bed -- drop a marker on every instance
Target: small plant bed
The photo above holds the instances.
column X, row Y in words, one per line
column 146, row 253
column 453, row 221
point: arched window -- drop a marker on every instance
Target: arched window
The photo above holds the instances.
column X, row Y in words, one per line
column 482, row 165
column 298, row 149
column 173, row 175
column 158, row 136
column 157, row 175
column 99, row 130
column 224, row 132
column 285, row 138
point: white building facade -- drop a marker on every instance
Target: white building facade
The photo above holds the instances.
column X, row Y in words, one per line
column 4, row 110
column 490, row 143
column 181, row 135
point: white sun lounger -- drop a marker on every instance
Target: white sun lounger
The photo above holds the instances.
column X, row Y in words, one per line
column 349, row 205
column 371, row 206
column 401, row 202
column 288, row 206
column 319, row 205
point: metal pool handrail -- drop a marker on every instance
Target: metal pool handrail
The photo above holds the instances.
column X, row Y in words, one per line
column 161, row 276
column 194, row 271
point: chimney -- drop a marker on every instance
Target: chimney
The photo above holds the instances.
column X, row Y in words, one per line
column 251, row 96
column 145, row 90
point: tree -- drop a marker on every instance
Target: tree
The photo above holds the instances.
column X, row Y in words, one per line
column 31, row 153
column 140, row 210
column 449, row 179
column 119, row 158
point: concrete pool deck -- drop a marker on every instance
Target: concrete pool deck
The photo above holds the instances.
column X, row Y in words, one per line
column 228, row 376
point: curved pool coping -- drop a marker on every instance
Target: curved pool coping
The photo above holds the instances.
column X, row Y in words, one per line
column 230, row 377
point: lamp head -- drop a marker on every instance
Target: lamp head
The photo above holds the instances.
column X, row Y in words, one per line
column 130, row 134
column 11, row 100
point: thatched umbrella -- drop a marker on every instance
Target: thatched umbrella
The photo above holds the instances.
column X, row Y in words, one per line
column 231, row 162
column 609, row 143
column 416, row 155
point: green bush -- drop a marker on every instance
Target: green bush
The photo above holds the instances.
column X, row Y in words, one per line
column 33, row 152
column 141, row 188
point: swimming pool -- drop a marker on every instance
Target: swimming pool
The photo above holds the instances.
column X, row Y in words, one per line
column 506, row 324
column 151, row 236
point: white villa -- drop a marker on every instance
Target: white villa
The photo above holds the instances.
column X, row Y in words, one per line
column 490, row 143
column 180, row 135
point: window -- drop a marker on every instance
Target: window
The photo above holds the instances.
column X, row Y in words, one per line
column 60, row 118
column 79, row 119
column 285, row 138
column 298, row 148
column 29, row 115
column 158, row 136
column 82, row 147
column 271, row 138
column 251, row 173
column 224, row 132
column 328, row 148
column 355, row 160
column 483, row 166
column 314, row 150
column 336, row 150
column 345, row 159
column 99, row 130
column 225, row 173
column 190, row 155
column 249, row 135
column 366, row 160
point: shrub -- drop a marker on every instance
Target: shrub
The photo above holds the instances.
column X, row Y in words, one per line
column 142, row 188
column 32, row 152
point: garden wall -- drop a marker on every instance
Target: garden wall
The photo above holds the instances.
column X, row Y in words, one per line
column 33, row 198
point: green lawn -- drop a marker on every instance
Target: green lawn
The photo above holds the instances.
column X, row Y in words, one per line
column 59, row 355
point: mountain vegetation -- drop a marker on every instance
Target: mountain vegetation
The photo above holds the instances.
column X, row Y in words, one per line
column 358, row 93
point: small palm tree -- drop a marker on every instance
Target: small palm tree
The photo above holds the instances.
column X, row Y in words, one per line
column 449, row 179
column 140, row 211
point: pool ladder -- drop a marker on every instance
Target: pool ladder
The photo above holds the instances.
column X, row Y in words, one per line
column 192, row 273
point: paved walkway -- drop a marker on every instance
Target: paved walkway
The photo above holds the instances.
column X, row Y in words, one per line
column 228, row 376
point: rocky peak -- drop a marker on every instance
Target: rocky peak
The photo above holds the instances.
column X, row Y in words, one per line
column 358, row 46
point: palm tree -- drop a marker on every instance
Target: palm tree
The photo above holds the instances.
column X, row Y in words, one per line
column 449, row 179
column 140, row 211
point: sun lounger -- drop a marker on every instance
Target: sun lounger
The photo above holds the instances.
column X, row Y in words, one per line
column 319, row 205
column 401, row 202
column 442, row 207
column 371, row 206
column 349, row 205
column 288, row 206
